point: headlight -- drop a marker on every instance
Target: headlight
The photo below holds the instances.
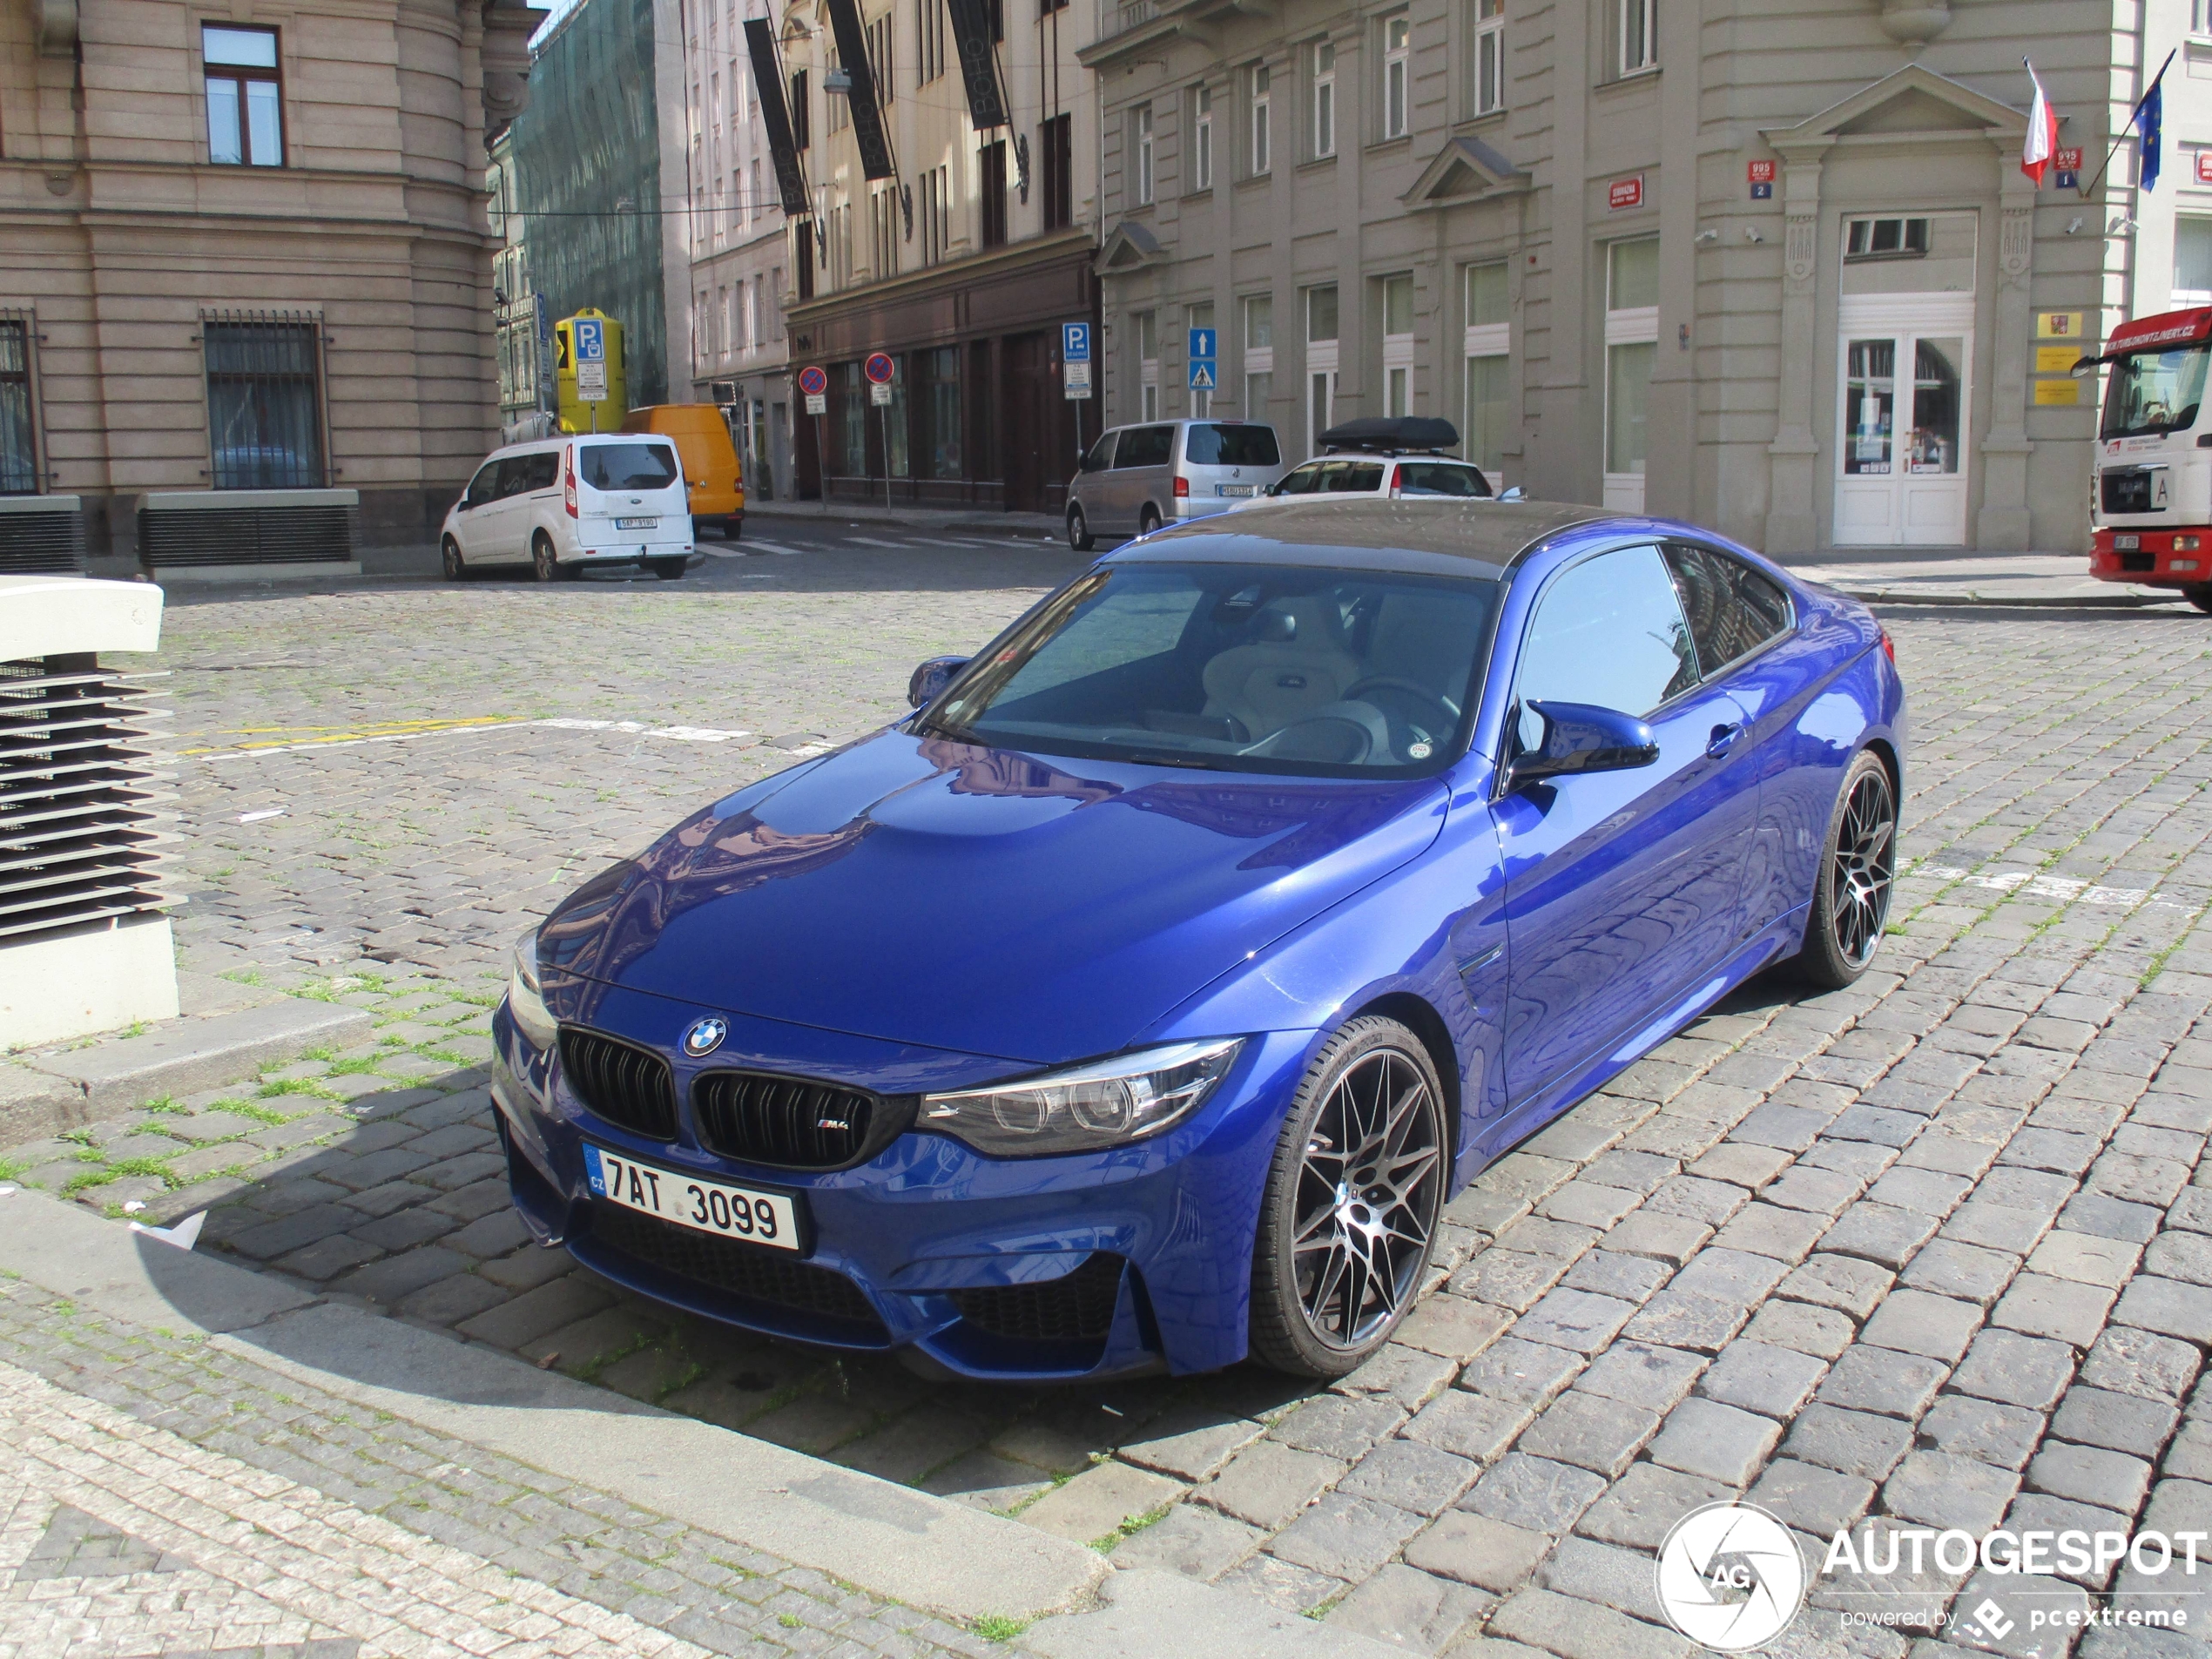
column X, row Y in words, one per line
column 525, row 1002
column 1089, row 1107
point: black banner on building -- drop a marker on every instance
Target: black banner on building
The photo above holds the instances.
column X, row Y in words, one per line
column 768, row 83
column 867, row 113
column 979, row 63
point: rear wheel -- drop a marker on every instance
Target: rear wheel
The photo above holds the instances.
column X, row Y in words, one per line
column 1149, row 520
column 1350, row 1215
column 668, row 570
column 449, row 557
column 544, row 565
column 1079, row 536
column 1851, row 902
column 733, row 527
column 2200, row 596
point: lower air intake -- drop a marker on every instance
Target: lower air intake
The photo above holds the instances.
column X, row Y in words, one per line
column 772, row 1276
column 1076, row 1308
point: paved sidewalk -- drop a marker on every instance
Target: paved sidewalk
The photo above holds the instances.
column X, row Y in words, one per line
column 1952, row 576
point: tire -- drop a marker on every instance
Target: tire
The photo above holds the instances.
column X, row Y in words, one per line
column 1319, row 1310
column 1851, row 897
column 733, row 528
column 1079, row 536
column 2200, row 596
column 668, row 570
column 450, row 558
column 544, row 565
column 1149, row 520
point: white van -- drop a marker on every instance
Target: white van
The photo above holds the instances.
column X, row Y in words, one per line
column 563, row 505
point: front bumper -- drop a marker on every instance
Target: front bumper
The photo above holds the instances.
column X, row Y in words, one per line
column 2167, row 558
column 1110, row 1264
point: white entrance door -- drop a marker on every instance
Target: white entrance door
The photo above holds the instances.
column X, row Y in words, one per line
column 1903, row 369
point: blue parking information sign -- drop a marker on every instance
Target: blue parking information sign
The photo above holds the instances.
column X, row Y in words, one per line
column 1075, row 343
column 590, row 340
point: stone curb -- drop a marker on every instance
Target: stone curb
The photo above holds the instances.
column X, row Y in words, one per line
column 82, row 1085
column 891, row 1540
column 922, row 518
column 2009, row 602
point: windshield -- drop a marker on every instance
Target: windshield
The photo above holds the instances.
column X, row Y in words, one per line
column 1231, row 446
column 629, row 466
column 2154, row 392
column 1235, row 667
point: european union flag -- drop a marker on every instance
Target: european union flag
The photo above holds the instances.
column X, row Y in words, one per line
column 2150, row 118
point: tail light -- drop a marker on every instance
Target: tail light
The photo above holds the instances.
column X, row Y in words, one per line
column 1182, row 487
column 1396, row 477
column 1889, row 647
column 567, row 479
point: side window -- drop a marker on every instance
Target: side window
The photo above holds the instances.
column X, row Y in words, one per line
column 545, row 471
column 1101, row 454
column 514, row 475
column 1146, row 446
column 1608, row 633
column 1300, row 480
column 1731, row 608
column 1439, row 478
column 485, row 486
column 1356, row 477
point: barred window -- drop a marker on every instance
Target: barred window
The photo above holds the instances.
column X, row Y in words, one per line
column 264, row 403
column 19, row 443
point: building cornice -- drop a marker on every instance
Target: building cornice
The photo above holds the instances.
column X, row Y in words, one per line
column 1014, row 257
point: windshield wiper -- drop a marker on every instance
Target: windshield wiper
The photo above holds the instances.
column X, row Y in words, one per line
column 1139, row 758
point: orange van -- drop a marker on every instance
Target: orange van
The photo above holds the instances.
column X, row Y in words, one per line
column 702, row 439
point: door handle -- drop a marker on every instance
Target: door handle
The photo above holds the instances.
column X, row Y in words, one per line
column 1722, row 739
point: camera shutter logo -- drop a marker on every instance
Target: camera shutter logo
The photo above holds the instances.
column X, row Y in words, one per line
column 1730, row 1577
column 706, row 1037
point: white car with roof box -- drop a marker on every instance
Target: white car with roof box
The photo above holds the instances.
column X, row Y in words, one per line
column 1387, row 456
column 566, row 505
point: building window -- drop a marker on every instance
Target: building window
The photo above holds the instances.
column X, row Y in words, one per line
column 994, row 194
column 1488, row 79
column 936, row 214
column 1398, row 344
column 840, row 246
column 852, row 421
column 19, row 438
column 1397, row 35
column 1258, row 336
column 1202, row 138
column 1320, row 364
column 1631, row 349
column 1202, row 397
column 2193, row 254
column 1488, row 345
column 1639, row 36
column 802, row 258
column 753, row 207
column 880, row 65
column 883, row 231
column 759, row 335
column 1322, row 136
column 1147, row 365
column 930, row 40
column 1141, row 118
column 264, row 403
column 2201, row 16
column 837, row 108
column 1057, row 146
column 800, row 131
column 1263, row 153
column 937, row 407
column 1885, row 239
column 245, row 98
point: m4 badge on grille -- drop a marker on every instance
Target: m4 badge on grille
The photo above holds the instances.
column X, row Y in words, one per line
column 706, row 1037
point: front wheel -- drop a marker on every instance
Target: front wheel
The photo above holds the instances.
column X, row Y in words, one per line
column 2200, row 596
column 1079, row 536
column 1353, row 1198
column 668, row 570
column 449, row 557
column 1850, row 900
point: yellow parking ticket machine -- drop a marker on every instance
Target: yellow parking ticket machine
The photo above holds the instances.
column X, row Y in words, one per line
column 588, row 369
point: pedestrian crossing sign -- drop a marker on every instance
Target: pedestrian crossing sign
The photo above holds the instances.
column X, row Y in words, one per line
column 1202, row 376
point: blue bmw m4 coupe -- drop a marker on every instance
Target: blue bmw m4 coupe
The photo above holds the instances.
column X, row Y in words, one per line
column 1139, row 1001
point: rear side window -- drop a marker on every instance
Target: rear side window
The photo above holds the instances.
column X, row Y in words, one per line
column 629, row 466
column 1231, row 446
column 1439, row 478
column 1146, row 446
column 544, row 471
column 1732, row 609
column 1353, row 477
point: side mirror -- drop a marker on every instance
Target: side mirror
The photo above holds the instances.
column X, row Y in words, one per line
column 931, row 677
column 1512, row 495
column 1579, row 737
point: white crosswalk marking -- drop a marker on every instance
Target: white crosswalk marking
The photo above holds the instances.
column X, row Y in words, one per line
column 759, row 546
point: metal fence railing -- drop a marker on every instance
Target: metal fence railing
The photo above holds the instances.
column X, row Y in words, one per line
column 1115, row 17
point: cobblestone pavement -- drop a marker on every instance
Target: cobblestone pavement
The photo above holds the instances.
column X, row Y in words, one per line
column 1924, row 1252
column 161, row 1496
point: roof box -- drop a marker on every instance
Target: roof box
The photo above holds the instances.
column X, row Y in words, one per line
column 1393, row 432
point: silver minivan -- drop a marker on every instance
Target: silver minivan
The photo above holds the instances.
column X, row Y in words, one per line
column 1136, row 478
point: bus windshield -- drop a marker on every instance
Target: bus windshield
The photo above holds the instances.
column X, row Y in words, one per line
column 2153, row 393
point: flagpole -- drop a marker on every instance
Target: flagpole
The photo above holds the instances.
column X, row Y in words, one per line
column 2082, row 190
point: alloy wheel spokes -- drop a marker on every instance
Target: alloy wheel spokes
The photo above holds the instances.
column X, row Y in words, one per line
column 1862, row 868
column 1366, row 1199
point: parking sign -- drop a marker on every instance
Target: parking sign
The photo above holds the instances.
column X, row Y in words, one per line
column 590, row 340
column 1075, row 343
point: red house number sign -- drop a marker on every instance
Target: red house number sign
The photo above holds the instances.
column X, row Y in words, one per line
column 1625, row 193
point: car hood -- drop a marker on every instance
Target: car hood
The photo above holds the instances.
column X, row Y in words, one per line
column 924, row 891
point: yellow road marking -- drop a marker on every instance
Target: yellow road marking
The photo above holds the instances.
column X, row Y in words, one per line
column 288, row 736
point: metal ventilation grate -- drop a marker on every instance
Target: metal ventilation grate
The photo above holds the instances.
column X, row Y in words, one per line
column 78, row 792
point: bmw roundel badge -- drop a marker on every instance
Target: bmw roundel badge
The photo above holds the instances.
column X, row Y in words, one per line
column 706, row 1037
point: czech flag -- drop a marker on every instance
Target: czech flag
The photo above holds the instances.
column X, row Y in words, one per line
column 2042, row 132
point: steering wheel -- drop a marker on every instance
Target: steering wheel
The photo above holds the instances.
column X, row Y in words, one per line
column 1274, row 745
column 1392, row 683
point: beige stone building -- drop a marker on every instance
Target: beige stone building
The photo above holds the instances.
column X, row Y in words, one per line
column 1769, row 266
column 244, row 268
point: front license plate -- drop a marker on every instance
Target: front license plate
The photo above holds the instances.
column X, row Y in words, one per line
column 636, row 523
column 708, row 1206
column 1232, row 489
column 2126, row 544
